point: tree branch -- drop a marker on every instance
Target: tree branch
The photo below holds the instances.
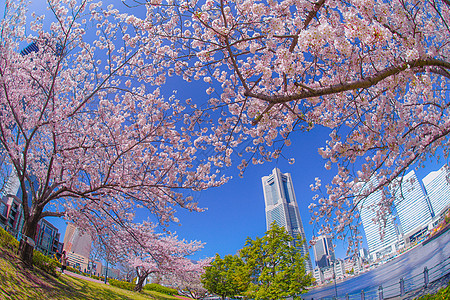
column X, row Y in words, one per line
column 308, row 20
column 51, row 214
column 357, row 84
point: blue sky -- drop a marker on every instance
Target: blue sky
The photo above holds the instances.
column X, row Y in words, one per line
column 235, row 210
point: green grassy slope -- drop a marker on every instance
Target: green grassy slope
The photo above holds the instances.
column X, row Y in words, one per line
column 19, row 282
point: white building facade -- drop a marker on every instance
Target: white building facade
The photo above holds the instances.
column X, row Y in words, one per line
column 411, row 203
column 437, row 187
column 281, row 206
column 382, row 238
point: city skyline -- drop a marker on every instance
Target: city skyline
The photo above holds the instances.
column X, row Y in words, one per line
column 185, row 228
column 236, row 210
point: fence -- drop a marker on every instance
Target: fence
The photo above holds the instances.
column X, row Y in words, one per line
column 402, row 286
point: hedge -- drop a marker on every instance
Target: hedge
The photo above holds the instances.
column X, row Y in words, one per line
column 7, row 241
column 73, row 270
column 160, row 289
column 44, row 263
column 442, row 294
column 122, row 284
column 95, row 277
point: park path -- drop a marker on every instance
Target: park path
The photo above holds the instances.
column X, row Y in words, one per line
column 182, row 297
column 72, row 274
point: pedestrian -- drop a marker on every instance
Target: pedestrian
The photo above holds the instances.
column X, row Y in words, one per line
column 63, row 261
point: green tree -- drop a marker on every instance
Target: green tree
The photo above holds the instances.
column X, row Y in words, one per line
column 226, row 277
column 277, row 268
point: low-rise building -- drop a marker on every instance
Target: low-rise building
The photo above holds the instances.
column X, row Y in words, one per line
column 47, row 238
column 318, row 275
column 78, row 261
column 11, row 215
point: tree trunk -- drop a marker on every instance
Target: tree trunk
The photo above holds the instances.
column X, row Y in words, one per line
column 27, row 243
column 138, row 287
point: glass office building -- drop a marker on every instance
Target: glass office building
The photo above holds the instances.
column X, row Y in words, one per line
column 281, row 207
column 437, row 187
column 381, row 238
column 323, row 251
column 413, row 209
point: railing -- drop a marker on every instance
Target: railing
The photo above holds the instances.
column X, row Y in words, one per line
column 402, row 286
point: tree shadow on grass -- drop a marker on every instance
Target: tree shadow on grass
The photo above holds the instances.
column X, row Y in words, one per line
column 19, row 282
column 74, row 288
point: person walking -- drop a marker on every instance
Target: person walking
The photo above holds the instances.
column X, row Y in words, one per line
column 63, row 261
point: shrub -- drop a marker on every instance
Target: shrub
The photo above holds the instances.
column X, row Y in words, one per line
column 442, row 294
column 7, row 241
column 44, row 263
column 73, row 270
column 160, row 289
column 95, row 277
column 121, row 284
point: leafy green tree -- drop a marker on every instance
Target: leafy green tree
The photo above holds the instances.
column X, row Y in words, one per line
column 277, row 268
column 226, row 277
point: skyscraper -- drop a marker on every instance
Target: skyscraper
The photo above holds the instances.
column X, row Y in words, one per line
column 281, row 207
column 378, row 243
column 413, row 209
column 437, row 187
column 323, row 251
column 77, row 246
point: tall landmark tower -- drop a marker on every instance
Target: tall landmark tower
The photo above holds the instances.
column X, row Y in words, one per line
column 281, row 207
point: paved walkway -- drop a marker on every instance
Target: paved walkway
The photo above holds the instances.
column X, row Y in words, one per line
column 72, row 274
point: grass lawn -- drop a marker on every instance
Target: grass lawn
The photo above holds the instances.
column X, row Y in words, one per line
column 18, row 282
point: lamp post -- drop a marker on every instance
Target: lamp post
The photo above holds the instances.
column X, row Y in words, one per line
column 334, row 278
column 106, row 273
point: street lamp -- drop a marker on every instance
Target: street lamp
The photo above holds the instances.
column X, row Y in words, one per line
column 106, row 273
column 333, row 262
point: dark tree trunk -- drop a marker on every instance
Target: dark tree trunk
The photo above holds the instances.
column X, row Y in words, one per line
column 138, row 287
column 26, row 246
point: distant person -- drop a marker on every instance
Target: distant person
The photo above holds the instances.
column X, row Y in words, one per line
column 63, row 261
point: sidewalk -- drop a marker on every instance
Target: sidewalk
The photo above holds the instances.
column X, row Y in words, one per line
column 68, row 273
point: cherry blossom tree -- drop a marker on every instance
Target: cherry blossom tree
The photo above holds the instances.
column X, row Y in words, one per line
column 86, row 132
column 152, row 253
column 187, row 280
column 375, row 73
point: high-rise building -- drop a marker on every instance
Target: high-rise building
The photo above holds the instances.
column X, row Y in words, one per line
column 324, row 251
column 281, row 207
column 364, row 254
column 381, row 238
column 413, row 209
column 437, row 187
column 77, row 246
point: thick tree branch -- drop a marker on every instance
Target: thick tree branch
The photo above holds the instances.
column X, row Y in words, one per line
column 51, row 214
column 357, row 84
column 308, row 20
